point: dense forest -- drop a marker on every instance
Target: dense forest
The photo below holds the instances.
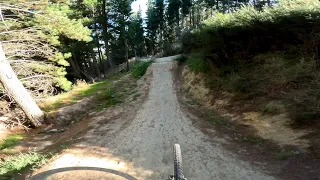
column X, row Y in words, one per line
column 52, row 40
column 52, row 44
column 168, row 20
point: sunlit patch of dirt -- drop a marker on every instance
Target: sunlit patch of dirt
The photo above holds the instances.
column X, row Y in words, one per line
column 82, row 156
column 276, row 128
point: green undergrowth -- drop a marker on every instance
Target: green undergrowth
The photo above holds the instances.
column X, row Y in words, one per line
column 270, row 57
column 234, row 38
column 10, row 141
column 253, row 139
column 284, row 155
column 280, row 83
column 217, row 119
column 109, row 97
column 140, row 68
column 274, row 108
column 78, row 92
column 11, row 165
column 117, row 93
column 197, row 63
column 109, row 92
column 181, row 59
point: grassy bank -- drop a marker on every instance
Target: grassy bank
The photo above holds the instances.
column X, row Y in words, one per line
column 140, row 68
column 269, row 56
column 80, row 90
column 17, row 163
column 10, row 141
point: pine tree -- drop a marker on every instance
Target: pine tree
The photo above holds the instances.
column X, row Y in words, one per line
column 151, row 28
column 32, row 36
column 120, row 13
column 173, row 17
column 159, row 11
column 32, row 42
column 136, row 38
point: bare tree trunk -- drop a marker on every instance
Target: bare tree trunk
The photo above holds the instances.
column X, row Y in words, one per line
column 227, row 6
column 192, row 16
column 96, row 67
column 182, row 22
column 12, row 84
column 99, row 50
column 161, row 37
column 135, row 53
column 102, row 65
column 198, row 16
column 75, row 67
column 217, row 5
column 224, row 6
column 105, row 32
column 126, row 55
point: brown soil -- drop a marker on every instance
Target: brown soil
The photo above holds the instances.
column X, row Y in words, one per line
column 245, row 137
column 72, row 122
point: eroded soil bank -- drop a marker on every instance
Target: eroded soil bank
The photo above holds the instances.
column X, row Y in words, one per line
column 257, row 137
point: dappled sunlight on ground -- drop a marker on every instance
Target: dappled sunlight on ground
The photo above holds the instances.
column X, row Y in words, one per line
column 94, row 157
column 276, row 127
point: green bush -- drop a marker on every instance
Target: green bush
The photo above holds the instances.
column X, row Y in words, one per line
column 140, row 68
column 273, row 108
column 284, row 155
column 109, row 97
column 13, row 164
column 270, row 54
column 197, row 64
column 239, row 84
column 236, row 37
column 171, row 49
column 181, row 59
column 10, row 141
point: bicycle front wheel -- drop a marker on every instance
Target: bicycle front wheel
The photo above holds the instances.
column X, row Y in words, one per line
column 178, row 173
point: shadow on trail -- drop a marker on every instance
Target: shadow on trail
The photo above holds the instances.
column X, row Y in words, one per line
column 47, row 174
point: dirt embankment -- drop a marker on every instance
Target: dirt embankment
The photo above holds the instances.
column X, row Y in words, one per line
column 273, row 127
column 263, row 137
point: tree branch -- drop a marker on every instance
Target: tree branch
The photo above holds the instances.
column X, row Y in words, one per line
column 31, row 77
column 12, row 7
column 19, row 61
column 2, row 19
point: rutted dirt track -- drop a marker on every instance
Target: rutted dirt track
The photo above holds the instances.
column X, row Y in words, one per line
column 141, row 148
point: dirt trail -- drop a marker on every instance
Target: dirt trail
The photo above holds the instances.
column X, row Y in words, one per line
column 141, row 148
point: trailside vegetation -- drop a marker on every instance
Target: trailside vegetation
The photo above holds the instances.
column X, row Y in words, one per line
column 270, row 53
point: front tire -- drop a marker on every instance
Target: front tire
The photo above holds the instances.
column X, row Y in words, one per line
column 178, row 173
